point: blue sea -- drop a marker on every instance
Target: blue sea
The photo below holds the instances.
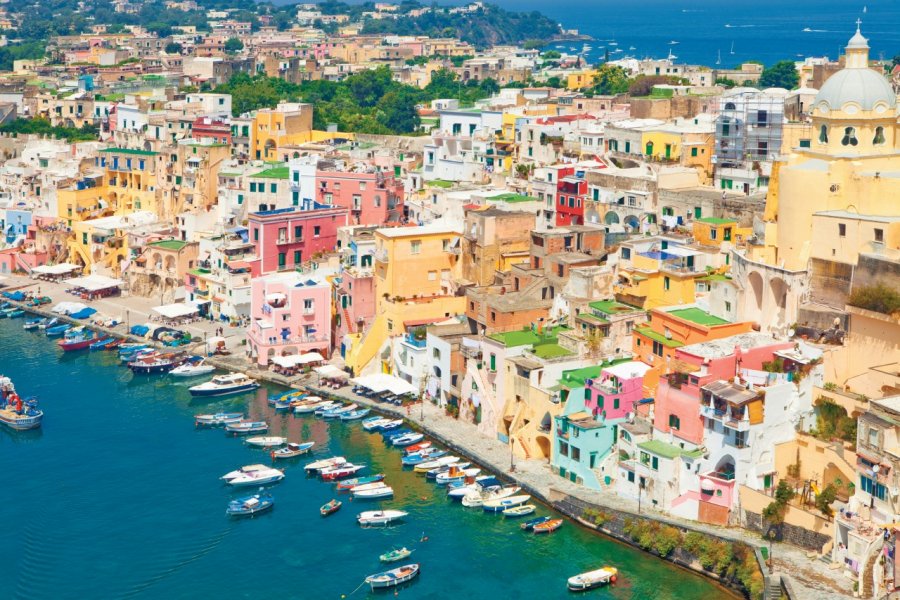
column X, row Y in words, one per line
column 118, row 496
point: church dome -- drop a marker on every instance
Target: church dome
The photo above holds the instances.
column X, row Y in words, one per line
column 863, row 87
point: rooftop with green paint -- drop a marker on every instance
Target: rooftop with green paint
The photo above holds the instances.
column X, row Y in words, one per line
column 577, row 378
column 715, row 277
column 512, row 198
column 525, row 337
column 175, row 245
column 280, row 172
column 658, row 337
column 550, row 351
column 716, row 221
column 129, row 151
column 665, row 450
column 698, row 316
column 613, row 307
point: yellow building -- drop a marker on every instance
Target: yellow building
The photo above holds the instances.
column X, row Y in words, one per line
column 274, row 131
column 712, row 231
column 580, row 80
column 414, row 270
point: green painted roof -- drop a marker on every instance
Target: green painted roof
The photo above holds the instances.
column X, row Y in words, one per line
column 715, row 277
column 130, row 151
column 612, row 307
column 441, row 183
column 698, row 316
column 665, row 450
column 656, row 337
column 550, row 351
column 592, row 318
column 716, row 220
column 169, row 244
column 513, row 198
column 274, row 173
column 577, row 377
column 524, row 337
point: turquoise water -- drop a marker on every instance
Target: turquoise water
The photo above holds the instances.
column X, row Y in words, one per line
column 118, row 497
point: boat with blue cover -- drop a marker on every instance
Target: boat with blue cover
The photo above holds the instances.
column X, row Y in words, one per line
column 407, row 440
column 32, row 324
column 411, row 460
column 57, row 330
column 100, row 343
column 355, row 414
column 15, row 313
column 373, row 423
column 530, row 523
column 225, row 385
column 390, row 426
column 348, row 484
column 250, row 505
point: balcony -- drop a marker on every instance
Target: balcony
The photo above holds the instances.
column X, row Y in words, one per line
column 309, row 310
column 381, row 256
column 283, row 240
column 414, row 341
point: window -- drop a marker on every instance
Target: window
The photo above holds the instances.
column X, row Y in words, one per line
column 255, row 234
column 674, row 422
column 282, row 260
column 879, row 136
column 415, row 247
column 316, row 231
column 563, row 448
column 712, row 235
column 849, row 138
column 727, row 306
column 645, row 458
column 872, row 438
column 658, row 348
column 870, row 486
column 252, row 187
column 666, row 283
column 823, row 134
column 273, row 187
column 432, row 275
column 615, row 403
column 879, row 235
column 842, row 229
column 297, row 257
column 298, row 232
column 240, row 198
column 295, row 198
column 654, row 463
column 805, row 144
column 626, row 253
column 576, row 452
column 445, row 245
column 694, row 151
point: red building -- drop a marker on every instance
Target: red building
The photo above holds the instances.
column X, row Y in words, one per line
column 206, row 128
column 571, row 192
column 287, row 237
column 373, row 198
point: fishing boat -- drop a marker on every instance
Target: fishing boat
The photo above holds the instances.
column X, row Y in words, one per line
column 113, row 343
column 519, row 511
column 408, row 439
column 592, row 579
column 263, row 441
column 391, row 425
column 417, row 448
column 325, row 463
column 443, row 461
column 100, row 343
column 355, row 414
column 258, row 477
column 292, row 450
column 431, row 475
column 47, row 324
column 501, row 504
column 330, row 508
column 380, row 517
column 192, row 367
column 530, row 523
column 282, row 404
column 225, row 385
column 154, row 363
column 349, row 484
column 340, row 472
column 311, row 407
column 217, row 419
column 456, row 474
column 57, row 330
column 32, row 324
column 363, row 487
column 15, row 313
column 393, row 578
column 336, row 413
column 415, row 459
column 384, row 491
column 477, row 499
column 329, row 405
column 395, row 555
column 243, row 471
column 285, row 397
column 373, row 423
column 390, row 435
column 548, row 526
column 243, row 427
column 15, row 412
column 250, row 505
column 77, row 341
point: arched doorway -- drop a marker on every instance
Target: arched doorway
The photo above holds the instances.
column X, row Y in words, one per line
column 611, row 218
column 633, row 223
column 543, row 443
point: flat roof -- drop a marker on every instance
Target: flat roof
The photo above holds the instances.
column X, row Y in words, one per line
column 274, row 173
column 524, row 337
column 169, row 244
column 698, row 316
column 725, row 346
column 432, row 229
column 658, row 337
column 715, row 220
column 613, row 307
column 129, row 151
column 665, row 450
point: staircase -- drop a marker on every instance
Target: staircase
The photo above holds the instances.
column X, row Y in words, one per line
column 345, row 314
column 22, row 264
column 773, row 591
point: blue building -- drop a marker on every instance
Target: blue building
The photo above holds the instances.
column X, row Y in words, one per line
column 14, row 223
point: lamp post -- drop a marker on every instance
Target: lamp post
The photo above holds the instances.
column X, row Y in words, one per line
column 512, row 456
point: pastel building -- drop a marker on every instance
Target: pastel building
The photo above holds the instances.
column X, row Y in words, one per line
column 373, row 198
column 290, row 313
column 285, row 238
column 614, row 394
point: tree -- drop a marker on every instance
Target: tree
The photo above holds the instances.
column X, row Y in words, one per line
column 824, row 499
column 398, row 112
column 725, row 82
column 643, row 84
column 551, row 54
column 610, row 80
column 782, row 74
column 233, row 45
column 173, row 48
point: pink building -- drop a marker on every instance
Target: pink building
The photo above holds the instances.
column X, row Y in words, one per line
column 287, row 237
column 617, row 390
column 290, row 314
column 372, row 198
column 354, row 299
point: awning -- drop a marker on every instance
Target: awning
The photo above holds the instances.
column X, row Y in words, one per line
column 331, row 372
column 68, row 308
column 238, row 264
column 382, row 382
column 579, row 416
column 60, row 269
column 175, row 311
column 94, row 283
column 309, row 357
column 263, row 324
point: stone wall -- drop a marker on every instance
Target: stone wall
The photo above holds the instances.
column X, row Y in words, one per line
column 395, row 142
column 874, row 268
column 798, row 536
column 830, row 282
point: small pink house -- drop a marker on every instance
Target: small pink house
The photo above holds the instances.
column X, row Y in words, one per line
column 372, row 198
column 617, row 390
column 290, row 313
column 285, row 238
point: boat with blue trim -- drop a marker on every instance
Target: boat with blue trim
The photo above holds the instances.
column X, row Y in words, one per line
column 250, row 505
column 15, row 412
column 225, row 385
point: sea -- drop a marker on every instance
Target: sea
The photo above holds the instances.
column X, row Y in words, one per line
column 118, row 496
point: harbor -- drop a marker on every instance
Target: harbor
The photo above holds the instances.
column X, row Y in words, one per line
column 154, row 476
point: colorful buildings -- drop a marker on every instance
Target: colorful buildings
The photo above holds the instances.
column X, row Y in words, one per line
column 285, row 238
column 372, row 197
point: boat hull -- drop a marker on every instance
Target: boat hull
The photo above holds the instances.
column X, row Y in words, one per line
column 209, row 392
column 20, row 422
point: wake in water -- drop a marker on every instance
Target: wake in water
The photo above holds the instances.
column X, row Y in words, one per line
column 730, row 26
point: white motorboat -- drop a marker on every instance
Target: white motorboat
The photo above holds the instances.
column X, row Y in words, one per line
column 305, row 409
column 325, row 463
column 192, row 369
column 592, row 579
column 380, row 517
column 336, row 412
column 224, row 385
column 456, row 475
column 265, row 441
column 380, row 492
column 374, row 424
column 216, row 419
column 260, row 477
column 243, row 471
column 500, row 504
column 365, row 487
column 407, row 440
column 443, row 461
column 478, row 498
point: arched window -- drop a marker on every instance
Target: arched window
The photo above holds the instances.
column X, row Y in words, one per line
column 849, row 138
column 879, row 136
column 823, row 134
column 730, row 106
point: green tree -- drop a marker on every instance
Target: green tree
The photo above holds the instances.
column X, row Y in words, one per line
column 725, row 82
column 551, row 54
column 233, row 45
column 610, row 80
column 824, row 499
column 173, row 48
column 398, row 112
column 782, row 74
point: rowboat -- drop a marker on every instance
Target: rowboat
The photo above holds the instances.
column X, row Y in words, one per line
column 417, row 448
column 47, row 324
column 456, row 474
column 438, row 462
column 500, row 504
column 548, row 526
column 391, row 425
column 329, row 405
column 57, row 330
column 349, row 484
column 385, row 491
column 395, row 555
column 249, row 506
column 243, row 470
column 325, row 463
column 412, row 460
column 218, row 419
column 408, row 439
column 32, row 324
column 286, row 397
column 432, row 474
column 531, row 523
column 373, row 423
column 265, row 441
column 355, row 414
column 393, row 578
column 340, row 472
column 256, row 477
column 380, row 517
column 330, row 508
column 292, row 450
column 519, row 511
column 592, row 579
column 336, row 413
column 242, row 427
column 100, row 343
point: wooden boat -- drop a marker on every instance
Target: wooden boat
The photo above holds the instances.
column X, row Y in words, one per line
column 592, row 579
column 265, row 441
column 432, row 474
column 456, row 474
column 244, row 427
column 395, row 555
column 530, row 523
column 336, row 413
column 380, row 517
column 417, row 448
column 250, row 505
column 305, row 407
column 349, row 484
column 218, row 419
column 57, row 330
column 325, row 463
column 393, row 578
column 373, row 423
column 292, row 450
column 330, row 508
column 519, row 511
column 500, row 504
column 285, row 397
column 100, row 343
column 548, row 526
column 384, row 491
column 355, row 414
column 438, row 462
column 340, row 472
column 48, row 323
column 113, row 343
column 32, row 324
column 20, row 415
column 329, row 405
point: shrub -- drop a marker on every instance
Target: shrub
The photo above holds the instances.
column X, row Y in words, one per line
column 879, row 297
column 596, row 516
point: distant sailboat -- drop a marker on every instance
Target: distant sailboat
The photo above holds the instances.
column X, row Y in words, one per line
column 671, row 56
column 864, row 10
column 719, row 58
column 732, row 47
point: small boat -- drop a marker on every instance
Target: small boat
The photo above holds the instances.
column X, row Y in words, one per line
column 389, row 435
column 47, row 324
column 15, row 313
column 456, row 474
column 363, row 487
column 408, row 439
column 592, row 579
column 393, row 578
column 530, row 524
column 58, row 330
column 395, row 555
column 418, row 458
column 355, row 414
column 154, row 362
column 329, row 405
column 100, row 343
column 242, row 427
column 373, row 423
column 192, row 368
column 260, row 477
column 302, row 398
column 218, row 419
column 250, row 505
column 380, row 517
column 20, row 415
column 500, row 504
column 371, row 494
column 416, row 448
column 340, row 472
column 325, row 463
column 292, row 450
column 444, row 461
column 32, row 324
column 285, row 397
column 305, row 409
column 113, row 343
column 390, row 425
column 519, row 511
column 243, row 471
column 330, row 508
column 349, row 484
column 282, row 404
column 262, row 441
column 548, row 526
column 224, row 385
column 431, row 475
column 336, row 413
column 79, row 341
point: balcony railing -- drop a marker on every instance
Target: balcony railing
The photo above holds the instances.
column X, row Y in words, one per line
column 415, row 342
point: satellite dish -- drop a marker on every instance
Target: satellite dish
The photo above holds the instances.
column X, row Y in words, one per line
column 876, row 468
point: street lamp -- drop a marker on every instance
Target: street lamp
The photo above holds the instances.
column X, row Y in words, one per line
column 640, row 490
column 512, row 456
